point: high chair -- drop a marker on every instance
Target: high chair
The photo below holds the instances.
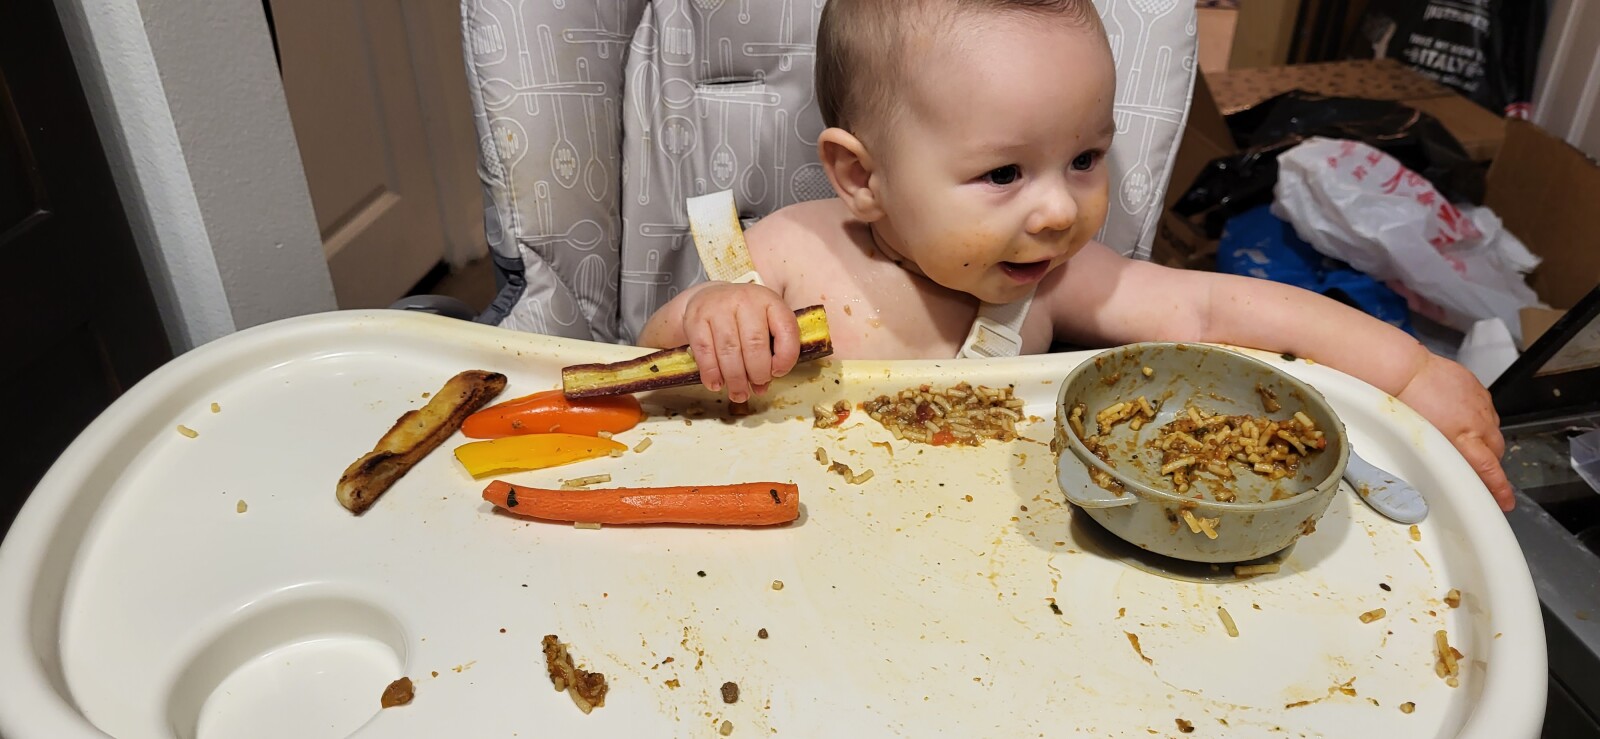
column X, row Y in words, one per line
column 598, row 120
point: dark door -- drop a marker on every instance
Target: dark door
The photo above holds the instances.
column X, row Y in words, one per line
column 78, row 325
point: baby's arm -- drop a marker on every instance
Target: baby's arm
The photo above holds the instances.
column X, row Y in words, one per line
column 1106, row 299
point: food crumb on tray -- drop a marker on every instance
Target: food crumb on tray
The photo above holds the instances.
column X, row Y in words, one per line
column 1185, row 726
column 242, row 507
column 1133, row 639
column 1373, row 615
column 1453, row 598
column 730, row 692
column 1227, row 622
column 1447, row 663
column 216, row 408
column 186, row 431
column 399, row 693
column 843, row 470
column 825, row 417
column 726, row 729
column 588, row 689
column 1408, row 707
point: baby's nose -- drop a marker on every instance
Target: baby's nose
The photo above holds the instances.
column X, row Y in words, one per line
column 1056, row 210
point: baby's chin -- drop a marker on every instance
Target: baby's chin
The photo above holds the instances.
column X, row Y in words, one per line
column 996, row 284
column 994, row 292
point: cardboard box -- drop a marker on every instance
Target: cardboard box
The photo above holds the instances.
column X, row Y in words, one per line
column 1548, row 194
column 1178, row 243
column 1263, row 33
column 1479, row 131
column 1536, row 321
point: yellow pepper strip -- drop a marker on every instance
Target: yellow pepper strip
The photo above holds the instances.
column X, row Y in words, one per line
column 531, row 452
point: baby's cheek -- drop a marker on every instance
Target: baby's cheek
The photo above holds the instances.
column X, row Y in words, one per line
column 973, row 251
column 956, row 259
column 1093, row 207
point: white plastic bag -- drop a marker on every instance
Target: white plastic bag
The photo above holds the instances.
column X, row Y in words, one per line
column 1357, row 204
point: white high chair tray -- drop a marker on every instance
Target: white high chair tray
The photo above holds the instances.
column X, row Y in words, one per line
column 136, row 600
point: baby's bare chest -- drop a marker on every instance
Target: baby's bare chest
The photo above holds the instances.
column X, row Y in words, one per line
column 877, row 310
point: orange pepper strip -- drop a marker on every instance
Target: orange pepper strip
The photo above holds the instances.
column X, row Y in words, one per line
column 551, row 411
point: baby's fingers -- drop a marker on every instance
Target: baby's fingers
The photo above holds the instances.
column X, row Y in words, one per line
column 703, row 345
column 1497, row 441
column 1487, row 465
column 729, row 342
column 756, row 345
column 785, row 339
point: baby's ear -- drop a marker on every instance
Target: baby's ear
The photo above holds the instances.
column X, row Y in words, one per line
column 849, row 166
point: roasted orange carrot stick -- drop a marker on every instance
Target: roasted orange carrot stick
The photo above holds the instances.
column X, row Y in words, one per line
column 745, row 504
column 549, row 411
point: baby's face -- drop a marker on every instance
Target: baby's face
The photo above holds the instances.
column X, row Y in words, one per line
column 994, row 173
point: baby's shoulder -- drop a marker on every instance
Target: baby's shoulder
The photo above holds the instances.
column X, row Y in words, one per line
column 817, row 230
column 815, row 223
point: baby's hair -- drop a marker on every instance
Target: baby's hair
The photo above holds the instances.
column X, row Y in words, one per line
column 863, row 49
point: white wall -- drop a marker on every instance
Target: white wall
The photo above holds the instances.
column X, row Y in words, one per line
column 1568, row 89
column 191, row 113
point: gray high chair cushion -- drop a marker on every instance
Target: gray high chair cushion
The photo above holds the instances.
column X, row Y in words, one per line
column 597, row 119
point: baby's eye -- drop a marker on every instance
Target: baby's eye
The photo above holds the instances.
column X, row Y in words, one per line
column 1003, row 175
column 1085, row 161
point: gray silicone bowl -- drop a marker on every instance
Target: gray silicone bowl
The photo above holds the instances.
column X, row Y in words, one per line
column 1266, row 516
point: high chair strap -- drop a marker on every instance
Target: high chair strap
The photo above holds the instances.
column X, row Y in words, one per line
column 997, row 332
column 714, row 224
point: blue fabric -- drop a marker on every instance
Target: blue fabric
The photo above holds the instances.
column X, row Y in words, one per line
column 1256, row 243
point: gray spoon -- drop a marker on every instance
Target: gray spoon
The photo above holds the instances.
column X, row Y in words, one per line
column 1385, row 492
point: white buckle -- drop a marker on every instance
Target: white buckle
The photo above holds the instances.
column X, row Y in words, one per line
column 750, row 277
column 989, row 339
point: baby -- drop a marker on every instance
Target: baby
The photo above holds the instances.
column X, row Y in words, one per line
column 967, row 141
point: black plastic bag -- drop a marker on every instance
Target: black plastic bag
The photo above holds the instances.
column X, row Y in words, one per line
column 1488, row 50
column 1234, row 184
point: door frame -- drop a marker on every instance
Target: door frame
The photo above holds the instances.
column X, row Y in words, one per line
column 190, row 109
column 435, row 28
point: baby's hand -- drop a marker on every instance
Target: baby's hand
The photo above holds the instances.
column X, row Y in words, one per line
column 1450, row 397
column 742, row 336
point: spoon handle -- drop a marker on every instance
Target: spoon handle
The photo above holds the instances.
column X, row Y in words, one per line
column 1384, row 492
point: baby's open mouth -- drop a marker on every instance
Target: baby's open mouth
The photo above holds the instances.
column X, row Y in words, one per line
column 1025, row 272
